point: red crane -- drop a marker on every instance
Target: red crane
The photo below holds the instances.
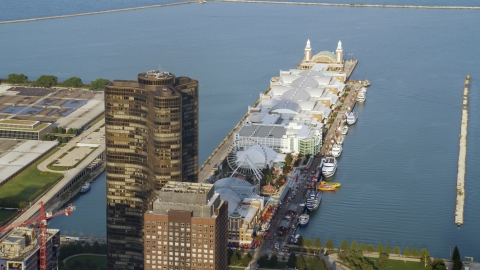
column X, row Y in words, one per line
column 42, row 229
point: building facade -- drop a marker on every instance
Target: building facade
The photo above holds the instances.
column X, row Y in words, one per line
column 24, row 129
column 151, row 128
column 186, row 228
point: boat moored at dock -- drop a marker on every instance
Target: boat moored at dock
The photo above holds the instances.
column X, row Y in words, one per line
column 303, row 220
column 344, row 130
column 352, row 118
column 336, row 150
column 329, row 167
column 313, row 200
column 86, row 187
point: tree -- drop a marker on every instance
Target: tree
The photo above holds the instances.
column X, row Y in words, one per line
column 457, row 262
column 371, row 248
column 424, row 255
column 95, row 248
column 308, row 243
column 235, row 260
column 345, row 246
column 292, row 260
column 406, row 252
column 46, row 81
column 73, row 82
column 98, row 84
column 380, row 248
column 396, row 250
column 354, row 246
column 300, row 241
column 17, row 78
column 288, row 158
column 415, row 252
column 329, row 245
column 262, row 261
column 87, row 248
column 300, row 263
column 246, row 259
column 383, row 259
column 388, row 249
column 438, row 264
column 273, row 261
column 22, row 204
column 64, row 140
column 318, row 243
column 54, row 130
column 363, row 247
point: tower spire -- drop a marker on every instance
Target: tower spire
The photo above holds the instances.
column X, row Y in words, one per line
column 308, row 51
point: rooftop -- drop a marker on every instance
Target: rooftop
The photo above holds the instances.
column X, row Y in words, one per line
column 185, row 187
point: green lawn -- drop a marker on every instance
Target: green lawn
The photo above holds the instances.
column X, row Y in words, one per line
column 97, row 120
column 30, row 183
column 99, row 261
column 5, row 214
column 399, row 265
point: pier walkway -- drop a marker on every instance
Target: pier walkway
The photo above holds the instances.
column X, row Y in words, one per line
column 462, row 156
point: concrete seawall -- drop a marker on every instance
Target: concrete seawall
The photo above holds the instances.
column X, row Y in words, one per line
column 96, row 12
column 349, row 5
column 462, row 156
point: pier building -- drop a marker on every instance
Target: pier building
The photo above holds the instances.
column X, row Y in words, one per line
column 290, row 117
column 186, row 228
column 20, row 250
column 151, row 128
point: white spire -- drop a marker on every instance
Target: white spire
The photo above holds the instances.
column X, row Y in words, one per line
column 339, row 45
column 308, row 43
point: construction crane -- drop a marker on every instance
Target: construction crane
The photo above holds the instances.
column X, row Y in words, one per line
column 41, row 220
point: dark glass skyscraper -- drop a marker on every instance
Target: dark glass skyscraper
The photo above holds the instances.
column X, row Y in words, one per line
column 151, row 130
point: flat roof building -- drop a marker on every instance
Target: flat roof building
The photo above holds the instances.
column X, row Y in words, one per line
column 186, row 228
column 19, row 249
column 23, row 129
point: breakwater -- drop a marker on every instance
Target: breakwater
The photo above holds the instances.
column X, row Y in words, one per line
column 350, row 5
column 96, row 12
column 462, row 156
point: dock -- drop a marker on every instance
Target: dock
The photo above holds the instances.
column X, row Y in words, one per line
column 462, row 156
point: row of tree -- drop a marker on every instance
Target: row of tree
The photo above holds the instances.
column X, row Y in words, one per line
column 299, row 262
column 345, row 246
column 236, row 258
column 51, row 137
column 50, row 81
column 63, row 130
column 12, row 203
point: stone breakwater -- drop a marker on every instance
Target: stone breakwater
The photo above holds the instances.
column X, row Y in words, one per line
column 350, row 5
column 95, row 12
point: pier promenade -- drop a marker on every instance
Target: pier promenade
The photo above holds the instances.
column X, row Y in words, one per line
column 462, row 156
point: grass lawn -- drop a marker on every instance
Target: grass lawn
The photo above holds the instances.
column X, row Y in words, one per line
column 5, row 214
column 97, row 120
column 97, row 260
column 30, row 183
column 399, row 265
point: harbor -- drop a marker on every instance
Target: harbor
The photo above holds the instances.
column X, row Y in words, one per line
column 462, row 156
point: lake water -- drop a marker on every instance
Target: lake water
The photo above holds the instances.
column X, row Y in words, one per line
column 399, row 165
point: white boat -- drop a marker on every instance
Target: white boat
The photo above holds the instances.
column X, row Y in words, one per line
column 336, row 150
column 364, row 90
column 361, row 96
column 351, row 118
column 329, row 167
column 344, row 130
column 303, row 220
column 313, row 200
column 340, row 139
column 86, row 187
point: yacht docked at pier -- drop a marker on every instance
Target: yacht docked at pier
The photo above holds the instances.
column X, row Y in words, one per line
column 313, row 200
column 329, row 166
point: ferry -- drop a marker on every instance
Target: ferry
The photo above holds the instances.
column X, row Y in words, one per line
column 303, row 220
column 351, row 118
column 336, row 150
column 86, row 187
column 314, row 199
column 326, row 187
column 329, row 167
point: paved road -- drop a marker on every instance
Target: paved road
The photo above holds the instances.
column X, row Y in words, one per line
column 76, row 255
column 216, row 159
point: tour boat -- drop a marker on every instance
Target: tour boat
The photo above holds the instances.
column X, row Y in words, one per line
column 303, row 220
column 344, row 130
column 336, row 150
column 334, row 184
column 361, row 96
column 351, row 118
column 86, row 187
column 326, row 188
column 314, row 199
column 329, row 167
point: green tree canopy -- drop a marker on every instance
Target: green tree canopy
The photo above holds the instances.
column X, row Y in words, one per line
column 380, row 248
column 73, row 82
column 288, row 158
column 329, row 245
column 396, row 250
column 370, row 248
column 345, row 246
column 415, row 252
column 262, row 261
column 300, row 263
column 17, row 78
column 300, row 241
column 383, row 259
column 273, row 261
column 354, row 245
column 388, row 249
column 246, row 259
column 406, row 251
column 46, row 81
column 438, row 264
column 308, row 243
column 98, row 84
column 363, row 247
column 457, row 262
column 292, row 260
column 318, row 243
column 424, row 255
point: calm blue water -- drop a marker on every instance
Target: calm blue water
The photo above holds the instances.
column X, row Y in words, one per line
column 398, row 168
